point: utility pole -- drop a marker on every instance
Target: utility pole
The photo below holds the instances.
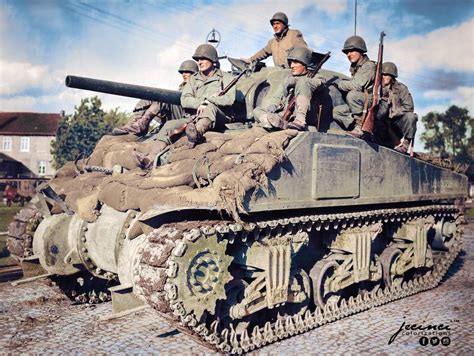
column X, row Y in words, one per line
column 355, row 17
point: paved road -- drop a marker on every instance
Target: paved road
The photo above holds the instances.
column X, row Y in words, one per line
column 36, row 318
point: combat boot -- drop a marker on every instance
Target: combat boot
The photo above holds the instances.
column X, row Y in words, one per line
column 357, row 130
column 302, row 107
column 195, row 131
column 403, row 146
column 137, row 127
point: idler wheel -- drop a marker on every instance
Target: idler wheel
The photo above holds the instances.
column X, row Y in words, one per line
column 322, row 274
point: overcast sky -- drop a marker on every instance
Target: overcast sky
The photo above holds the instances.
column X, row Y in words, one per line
column 143, row 42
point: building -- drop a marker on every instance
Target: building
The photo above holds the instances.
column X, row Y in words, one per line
column 25, row 144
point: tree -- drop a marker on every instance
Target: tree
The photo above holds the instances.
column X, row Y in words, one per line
column 450, row 134
column 79, row 133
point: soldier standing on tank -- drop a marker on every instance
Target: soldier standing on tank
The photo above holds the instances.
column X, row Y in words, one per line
column 283, row 40
column 200, row 97
column 299, row 59
column 396, row 109
column 145, row 110
column 356, row 91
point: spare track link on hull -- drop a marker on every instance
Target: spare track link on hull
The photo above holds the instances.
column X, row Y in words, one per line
column 151, row 275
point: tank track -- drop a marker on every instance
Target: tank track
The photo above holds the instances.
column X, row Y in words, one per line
column 81, row 288
column 21, row 230
column 156, row 288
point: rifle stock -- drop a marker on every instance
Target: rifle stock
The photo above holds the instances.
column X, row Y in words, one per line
column 368, row 121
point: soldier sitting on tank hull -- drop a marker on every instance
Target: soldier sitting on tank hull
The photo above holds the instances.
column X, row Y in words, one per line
column 395, row 111
column 201, row 98
column 356, row 91
column 145, row 110
column 283, row 40
column 299, row 59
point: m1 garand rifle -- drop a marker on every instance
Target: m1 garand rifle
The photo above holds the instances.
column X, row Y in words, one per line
column 174, row 135
column 311, row 73
column 368, row 120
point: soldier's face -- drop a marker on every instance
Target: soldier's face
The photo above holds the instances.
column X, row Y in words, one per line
column 278, row 26
column 387, row 79
column 297, row 68
column 186, row 76
column 354, row 56
column 204, row 64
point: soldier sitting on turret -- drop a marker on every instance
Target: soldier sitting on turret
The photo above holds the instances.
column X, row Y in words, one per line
column 145, row 110
column 284, row 39
column 395, row 110
column 299, row 59
column 357, row 91
column 201, row 95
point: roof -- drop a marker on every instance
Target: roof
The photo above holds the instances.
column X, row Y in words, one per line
column 28, row 123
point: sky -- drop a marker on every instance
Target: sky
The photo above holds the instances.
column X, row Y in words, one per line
column 143, row 42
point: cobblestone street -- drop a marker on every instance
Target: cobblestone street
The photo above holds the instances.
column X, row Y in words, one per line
column 35, row 318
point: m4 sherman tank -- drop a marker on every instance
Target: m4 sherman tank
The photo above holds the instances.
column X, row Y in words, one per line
column 253, row 236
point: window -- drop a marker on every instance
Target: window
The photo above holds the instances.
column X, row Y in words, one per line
column 25, row 144
column 7, row 144
column 41, row 167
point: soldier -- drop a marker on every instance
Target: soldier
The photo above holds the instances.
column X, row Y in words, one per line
column 357, row 91
column 299, row 59
column 395, row 108
column 201, row 95
column 284, row 39
column 145, row 110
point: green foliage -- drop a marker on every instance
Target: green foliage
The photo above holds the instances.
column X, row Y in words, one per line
column 79, row 133
column 450, row 134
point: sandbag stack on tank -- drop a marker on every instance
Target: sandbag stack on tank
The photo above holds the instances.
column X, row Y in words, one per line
column 215, row 174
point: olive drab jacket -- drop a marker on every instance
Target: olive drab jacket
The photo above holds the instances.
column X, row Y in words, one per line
column 278, row 47
column 199, row 88
column 362, row 76
column 399, row 99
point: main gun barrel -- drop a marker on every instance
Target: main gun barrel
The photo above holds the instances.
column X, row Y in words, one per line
column 123, row 89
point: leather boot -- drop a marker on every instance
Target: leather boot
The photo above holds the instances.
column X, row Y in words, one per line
column 357, row 130
column 403, row 146
column 195, row 131
column 302, row 107
column 137, row 127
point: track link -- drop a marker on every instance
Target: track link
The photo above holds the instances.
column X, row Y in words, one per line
column 152, row 282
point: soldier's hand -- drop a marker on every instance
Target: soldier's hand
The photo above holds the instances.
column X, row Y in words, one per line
column 272, row 108
column 201, row 107
column 290, row 82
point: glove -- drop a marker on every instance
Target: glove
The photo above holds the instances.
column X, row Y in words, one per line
column 272, row 108
column 201, row 107
column 290, row 82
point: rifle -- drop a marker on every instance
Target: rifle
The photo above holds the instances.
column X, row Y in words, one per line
column 173, row 135
column 292, row 101
column 368, row 120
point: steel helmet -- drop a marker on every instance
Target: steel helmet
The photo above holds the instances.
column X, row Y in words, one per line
column 279, row 16
column 354, row 43
column 188, row 66
column 390, row 69
column 300, row 54
column 206, row 51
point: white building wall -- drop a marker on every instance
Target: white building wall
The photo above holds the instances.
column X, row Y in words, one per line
column 39, row 150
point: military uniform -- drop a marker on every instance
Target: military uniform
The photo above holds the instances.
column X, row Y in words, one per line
column 355, row 90
column 396, row 108
column 200, row 88
column 145, row 111
column 279, row 46
column 304, row 86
